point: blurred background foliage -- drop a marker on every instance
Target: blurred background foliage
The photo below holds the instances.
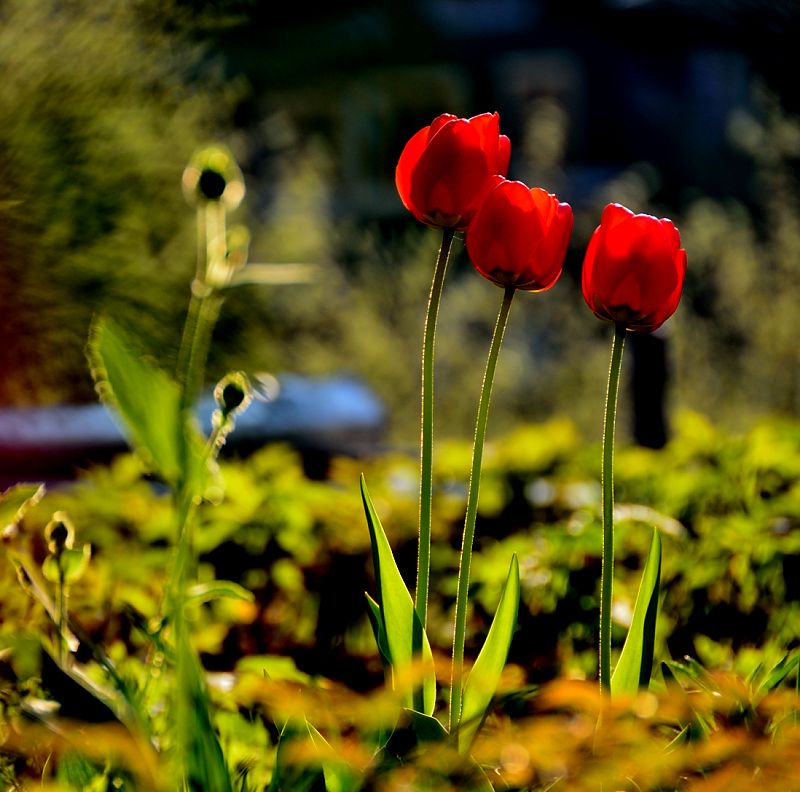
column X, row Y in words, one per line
column 102, row 107
column 727, row 506
column 99, row 117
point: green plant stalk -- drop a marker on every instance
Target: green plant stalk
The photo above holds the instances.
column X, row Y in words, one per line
column 459, row 633
column 201, row 318
column 62, row 616
column 607, row 483
column 426, row 439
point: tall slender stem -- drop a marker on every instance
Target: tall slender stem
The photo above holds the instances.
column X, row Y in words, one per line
column 195, row 343
column 607, row 480
column 459, row 634
column 62, row 616
column 426, row 441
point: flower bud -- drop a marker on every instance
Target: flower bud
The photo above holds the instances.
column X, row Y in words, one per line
column 634, row 269
column 59, row 533
column 233, row 393
column 213, row 175
column 519, row 236
column 443, row 169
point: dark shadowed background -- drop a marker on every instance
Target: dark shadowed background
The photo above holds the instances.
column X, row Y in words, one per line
column 686, row 109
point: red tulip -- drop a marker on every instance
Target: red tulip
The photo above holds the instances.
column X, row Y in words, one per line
column 444, row 168
column 519, row 236
column 634, row 269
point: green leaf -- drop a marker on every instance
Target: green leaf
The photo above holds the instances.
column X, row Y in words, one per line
column 147, row 400
column 204, row 762
column 378, row 630
column 777, row 674
column 398, row 614
column 218, row 589
column 69, row 566
column 77, row 772
column 288, row 777
column 427, row 728
column 481, row 684
column 16, row 500
column 636, row 660
column 337, row 774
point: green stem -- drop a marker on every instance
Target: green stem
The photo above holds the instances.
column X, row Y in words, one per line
column 456, row 686
column 207, row 312
column 62, row 651
column 195, row 344
column 607, row 480
column 426, row 442
column 204, row 305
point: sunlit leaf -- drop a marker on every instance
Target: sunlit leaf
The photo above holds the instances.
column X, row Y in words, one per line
column 378, row 630
column 77, row 772
column 779, row 672
column 427, row 728
column 148, row 402
column 218, row 589
column 338, row 776
column 288, row 776
column 273, row 274
column 16, row 500
column 484, row 677
column 69, row 566
column 204, row 762
column 397, row 609
column 636, row 660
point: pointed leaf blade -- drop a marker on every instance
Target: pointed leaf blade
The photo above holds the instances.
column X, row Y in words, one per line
column 205, row 766
column 636, row 660
column 337, row 775
column 779, row 673
column 146, row 399
column 16, row 500
column 484, row 677
column 397, row 609
column 378, row 630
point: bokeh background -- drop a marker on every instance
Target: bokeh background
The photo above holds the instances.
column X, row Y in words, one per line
column 678, row 108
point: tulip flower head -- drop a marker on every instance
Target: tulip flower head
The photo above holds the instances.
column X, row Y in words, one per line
column 634, row 269
column 444, row 168
column 519, row 236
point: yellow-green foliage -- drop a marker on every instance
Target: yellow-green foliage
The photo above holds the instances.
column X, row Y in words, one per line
column 727, row 506
column 100, row 115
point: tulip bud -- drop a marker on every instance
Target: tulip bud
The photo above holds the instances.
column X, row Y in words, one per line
column 443, row 169
column 519, row 236
column 634, row 269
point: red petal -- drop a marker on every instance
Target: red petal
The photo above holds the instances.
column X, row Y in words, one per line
column 588, row 271
column 671, row 233
column 406, row 164
column 613, row 214
column 439, row 122
column 450, row 175
column 545, row 205
column 487, row 125
column 503, row 155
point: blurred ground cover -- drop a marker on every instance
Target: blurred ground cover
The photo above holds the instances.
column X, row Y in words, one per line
column 727, row 505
